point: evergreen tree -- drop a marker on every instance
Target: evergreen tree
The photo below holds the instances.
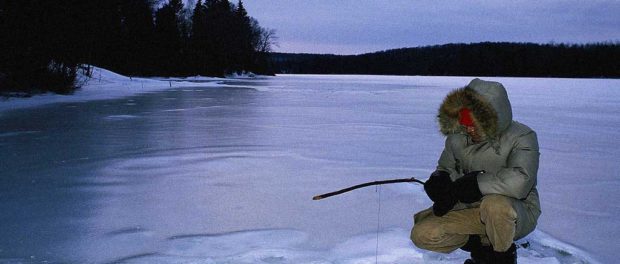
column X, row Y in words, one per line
column 198, row 39
column 137, row 34
column 101, row 21
column 168, row 54
column 243, row 49
column 220, row 22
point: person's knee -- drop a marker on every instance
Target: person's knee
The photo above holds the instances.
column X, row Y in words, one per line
column 497, row 206
column 424, row 235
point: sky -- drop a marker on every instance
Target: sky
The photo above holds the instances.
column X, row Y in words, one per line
column 362, row 26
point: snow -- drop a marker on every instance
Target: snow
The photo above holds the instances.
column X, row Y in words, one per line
column 105, row 84
column 206, row 170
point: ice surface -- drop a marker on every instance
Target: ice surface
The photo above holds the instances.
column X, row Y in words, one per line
column 283, row 246
column 224, row 173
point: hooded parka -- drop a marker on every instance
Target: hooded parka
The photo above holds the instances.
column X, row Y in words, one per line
column 508, row 151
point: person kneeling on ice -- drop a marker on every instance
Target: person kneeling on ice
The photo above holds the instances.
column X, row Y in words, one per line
column 484, row 188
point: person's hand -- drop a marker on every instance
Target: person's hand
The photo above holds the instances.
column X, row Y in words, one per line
column 442, row 207
column 437, row 187
column 465, row 189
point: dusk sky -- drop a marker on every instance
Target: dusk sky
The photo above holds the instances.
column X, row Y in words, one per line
column 361, row 26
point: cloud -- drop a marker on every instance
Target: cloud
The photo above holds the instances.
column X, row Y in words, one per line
column 361, row 25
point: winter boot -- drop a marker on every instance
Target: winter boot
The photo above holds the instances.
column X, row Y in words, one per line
column 479, row 254
column 508, row 257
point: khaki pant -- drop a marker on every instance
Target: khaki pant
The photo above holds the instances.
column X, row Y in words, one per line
column 499, row 221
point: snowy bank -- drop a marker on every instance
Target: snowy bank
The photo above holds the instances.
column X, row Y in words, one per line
column 105, row 84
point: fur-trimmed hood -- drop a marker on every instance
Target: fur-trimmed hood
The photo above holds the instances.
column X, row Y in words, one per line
column 488, row 102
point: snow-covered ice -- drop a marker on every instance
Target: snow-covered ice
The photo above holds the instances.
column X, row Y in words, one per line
column 201, row 170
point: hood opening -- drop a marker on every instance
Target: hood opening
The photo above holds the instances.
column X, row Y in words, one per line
column 490, row 108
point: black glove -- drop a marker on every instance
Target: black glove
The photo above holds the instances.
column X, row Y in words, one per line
column 465, row 189
column 442, row 207
column 437, row 187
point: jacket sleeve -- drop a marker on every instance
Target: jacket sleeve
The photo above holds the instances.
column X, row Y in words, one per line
column 519, row 176
column 447, row 162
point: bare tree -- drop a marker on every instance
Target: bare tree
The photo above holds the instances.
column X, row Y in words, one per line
column 268, row 39
column 264, row 38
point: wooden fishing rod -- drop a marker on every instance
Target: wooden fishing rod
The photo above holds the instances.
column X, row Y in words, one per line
column 323, row 196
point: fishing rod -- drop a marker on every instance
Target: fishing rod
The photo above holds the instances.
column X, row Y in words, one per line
column 323, row 196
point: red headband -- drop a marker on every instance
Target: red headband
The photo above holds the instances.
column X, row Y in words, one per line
column 465, row 117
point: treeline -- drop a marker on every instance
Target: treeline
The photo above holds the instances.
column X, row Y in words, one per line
column 478, row 59
column 42, row 43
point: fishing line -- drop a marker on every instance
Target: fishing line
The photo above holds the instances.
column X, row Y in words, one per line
column 378, row 191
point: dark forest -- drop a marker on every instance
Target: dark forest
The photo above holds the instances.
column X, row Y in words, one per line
column 43, row 44
column 599, row 60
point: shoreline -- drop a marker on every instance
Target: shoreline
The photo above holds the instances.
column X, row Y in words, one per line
column 104, row 85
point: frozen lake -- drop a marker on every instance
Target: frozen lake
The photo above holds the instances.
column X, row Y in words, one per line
column 226, row 174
